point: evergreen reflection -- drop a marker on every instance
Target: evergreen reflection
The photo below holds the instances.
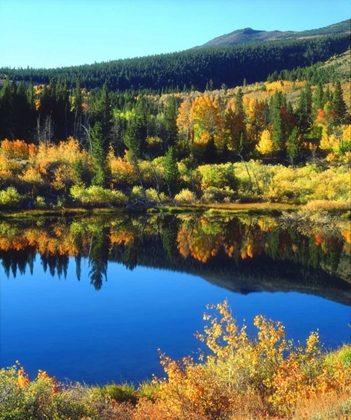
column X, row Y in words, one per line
column 244, row 254
column 98, row 256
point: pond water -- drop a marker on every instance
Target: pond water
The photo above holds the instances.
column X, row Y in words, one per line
column 93, row 299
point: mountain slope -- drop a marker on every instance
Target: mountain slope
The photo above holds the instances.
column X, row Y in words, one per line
column 248, row 35
column 195, row 68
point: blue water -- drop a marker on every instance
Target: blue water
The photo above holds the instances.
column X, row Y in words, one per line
column 71, row 330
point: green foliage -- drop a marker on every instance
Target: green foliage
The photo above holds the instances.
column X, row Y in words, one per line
column 39, row 202
column 171, row 174
column 173, row 71
column 134, row 138
column 96, row 196
column 339, row 105
column 40, row 399
column 293, row 147
column 99, row 145
column 219, row 176
column 10, row 198
column 118, row 392
column 185, row 196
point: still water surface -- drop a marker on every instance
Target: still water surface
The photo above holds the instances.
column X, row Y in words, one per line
column 74, row 330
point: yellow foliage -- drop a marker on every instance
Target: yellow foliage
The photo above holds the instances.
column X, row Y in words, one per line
column 17, row 149
column 122, row 171
column 265, row 145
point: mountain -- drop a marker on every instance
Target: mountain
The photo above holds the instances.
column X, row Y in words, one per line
column 249, row 36
column 198, row 68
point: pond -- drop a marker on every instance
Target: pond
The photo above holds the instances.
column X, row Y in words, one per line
column 93, row 299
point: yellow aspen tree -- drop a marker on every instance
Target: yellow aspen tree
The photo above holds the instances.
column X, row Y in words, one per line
column 265, row 146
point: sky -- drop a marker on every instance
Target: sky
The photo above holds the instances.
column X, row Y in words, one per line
column 59, row 33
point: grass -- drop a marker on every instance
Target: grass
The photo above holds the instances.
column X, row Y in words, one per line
column 328, row 205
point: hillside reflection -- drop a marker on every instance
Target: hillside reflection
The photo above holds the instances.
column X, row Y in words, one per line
column 244, row 254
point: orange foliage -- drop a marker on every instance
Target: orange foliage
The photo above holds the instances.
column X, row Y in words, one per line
column 17, row 149
column 122, row 237
column 319, row 240
column 184, row 119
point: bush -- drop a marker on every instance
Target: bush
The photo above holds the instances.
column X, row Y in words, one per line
column 213, row 194
column 41, row 398
column 219, row 176
column 10, row 198
column 152, row 195
column 241, row 377
column 39, row 203
column 185, row 197
column 95, row 196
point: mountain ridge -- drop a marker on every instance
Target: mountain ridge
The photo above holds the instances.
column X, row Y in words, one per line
column 249, row 35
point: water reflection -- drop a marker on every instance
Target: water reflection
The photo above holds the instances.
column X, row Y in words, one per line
column 243, row 254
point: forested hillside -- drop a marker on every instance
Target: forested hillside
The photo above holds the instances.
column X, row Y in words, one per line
column 194, row 69
column 281, row 140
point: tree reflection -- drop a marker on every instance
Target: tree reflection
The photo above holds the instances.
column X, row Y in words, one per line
column 225, row 248
column 98, row 256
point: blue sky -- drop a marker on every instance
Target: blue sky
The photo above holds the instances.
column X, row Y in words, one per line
column 56, row 33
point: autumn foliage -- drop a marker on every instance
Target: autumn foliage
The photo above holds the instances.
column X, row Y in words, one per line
column 237, row 377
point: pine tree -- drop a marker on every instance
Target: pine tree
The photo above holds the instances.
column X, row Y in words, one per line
column 134, row 138
column 105, row 110
column 171, row 172
column 304, row 110
column 22, row 114
column 239, row 104
column 99, row 151
column 170, row 119
column 338, row 104
column 278, row 137
column 318, row 99
column 6, row 116
column 293, row 146
column 77, row 109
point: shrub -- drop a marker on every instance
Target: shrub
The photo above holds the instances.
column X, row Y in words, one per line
column 10, row 198
column 241, row 377
column 264, row 376
column 97, row 196
column 17, row 149
column 152, row 195
column 39, row 202
column 220, row 176
column 185, row 197
column 213, row 194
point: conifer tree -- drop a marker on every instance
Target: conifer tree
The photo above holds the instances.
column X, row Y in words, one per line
column 77, row 109
column 99, row 151
column 22, row 114
column 6, row 116
column 293, row 147
column 134, row 138
column 239, row 105
column 171, row 123
column 278, row 137
column 338, row 104
column 105, row 110
column 318, row 99
column 304, row 110
column 171, row 172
